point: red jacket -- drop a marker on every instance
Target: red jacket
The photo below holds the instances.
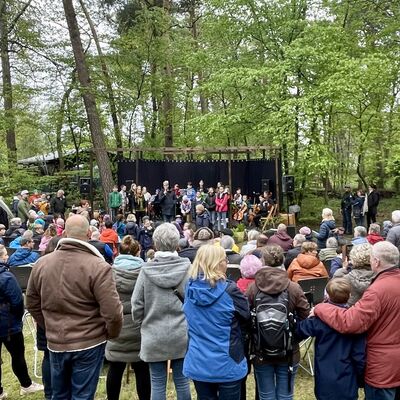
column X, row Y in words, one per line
column 375, row 238
column 376, row 313
column 110, row 237
column 221, row 202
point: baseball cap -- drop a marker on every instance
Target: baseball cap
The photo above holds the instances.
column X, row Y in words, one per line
column 24, row 192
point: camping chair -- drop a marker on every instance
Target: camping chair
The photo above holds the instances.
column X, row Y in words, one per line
column 22, row 273
column 314, row 290
column 269, row 219
column 327, row 265
column 233, row 272
column 7, row 240
column 30, row 323
column 10, row 250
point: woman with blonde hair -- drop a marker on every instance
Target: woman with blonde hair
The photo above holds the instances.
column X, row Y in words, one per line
column 214, row 308
column 327, row 225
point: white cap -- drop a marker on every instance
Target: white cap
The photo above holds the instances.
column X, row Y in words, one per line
column 24, row 192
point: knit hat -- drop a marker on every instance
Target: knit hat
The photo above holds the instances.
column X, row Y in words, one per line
column 249, row 265
column 203, row 234
column 305, row 230
column 60, row 222
column 94, row 222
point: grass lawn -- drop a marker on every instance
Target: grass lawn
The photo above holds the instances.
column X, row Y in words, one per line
column 303, row 387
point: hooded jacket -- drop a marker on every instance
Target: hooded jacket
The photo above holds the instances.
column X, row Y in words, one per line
column 126, row 347
column 158, row 311
column 132, row 229
column 214, row 315
column 374, row 238
column 110, row 237
column 274, row 280
column 306, row 266
column 72, row 293
column 376, row 313
column 281, row 239
column 324, row 232
column 11, row 303
column 22, row 256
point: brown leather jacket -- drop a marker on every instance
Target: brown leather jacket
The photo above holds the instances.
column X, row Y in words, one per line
column 71, row 292
column 274, row 280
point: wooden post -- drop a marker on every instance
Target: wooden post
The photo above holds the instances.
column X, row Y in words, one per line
column 277, row 191
column 91, row 180
column 136, row 167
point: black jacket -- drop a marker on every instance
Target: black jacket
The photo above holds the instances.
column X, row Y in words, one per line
column 167, row 202
column 58, row 205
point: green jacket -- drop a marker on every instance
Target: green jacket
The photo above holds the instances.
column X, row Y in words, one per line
column 114, row 200
column 23, row 208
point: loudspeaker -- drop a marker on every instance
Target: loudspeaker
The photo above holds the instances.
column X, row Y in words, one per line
column 287, row 184
column 84, row 185
column 266, row 185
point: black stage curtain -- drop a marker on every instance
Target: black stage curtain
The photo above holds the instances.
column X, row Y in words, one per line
column 245, row 174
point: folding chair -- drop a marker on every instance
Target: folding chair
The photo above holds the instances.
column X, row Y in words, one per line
column 30, row 323
column 10, row 250
column 22, row 273
column 233, row 272
column 314, row 290
column 327, row 265
column 269, row 219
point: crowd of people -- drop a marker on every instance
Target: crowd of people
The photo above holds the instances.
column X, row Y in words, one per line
column 156, row 295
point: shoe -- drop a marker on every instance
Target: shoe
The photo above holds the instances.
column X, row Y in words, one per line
column 35, row 387
column 3, row 395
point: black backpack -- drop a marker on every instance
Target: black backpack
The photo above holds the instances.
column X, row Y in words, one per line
column 272, row 325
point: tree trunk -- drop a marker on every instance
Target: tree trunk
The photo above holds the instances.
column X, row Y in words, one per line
column 167, row 100
column 89, row 100
column 7, row 89
column 107, row 82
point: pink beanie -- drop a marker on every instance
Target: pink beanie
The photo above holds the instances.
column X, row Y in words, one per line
column 60, row 222
column 249, row 265
column 305, row 230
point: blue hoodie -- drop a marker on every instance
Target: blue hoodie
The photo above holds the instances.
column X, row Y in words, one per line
column 11, row 303
column 214, row 314
column 22, row 256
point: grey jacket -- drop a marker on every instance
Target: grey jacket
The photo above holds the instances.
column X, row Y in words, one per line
column 158, row 310
column 126, row 347
column 393, row 235
column 359, row 279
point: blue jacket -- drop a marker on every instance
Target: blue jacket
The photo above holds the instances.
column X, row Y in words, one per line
column 216, row 346
column 11, row 303
column 22, row 256
column 324, row 232
column 339, row 360
column 15, row 244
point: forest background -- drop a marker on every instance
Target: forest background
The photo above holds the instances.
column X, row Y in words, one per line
column 319, row 79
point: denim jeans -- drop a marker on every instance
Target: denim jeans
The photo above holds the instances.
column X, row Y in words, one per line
column 46, row 374
column 158, row 375
column 212, row 217
column 221, row 220
column 272, row 381
column 74, row 375
column 373, row 393
column 218, row 391
column 347, row 223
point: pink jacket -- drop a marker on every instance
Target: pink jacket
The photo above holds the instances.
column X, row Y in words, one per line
column 221, row 202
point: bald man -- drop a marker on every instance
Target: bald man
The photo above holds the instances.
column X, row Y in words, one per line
column 72, row 294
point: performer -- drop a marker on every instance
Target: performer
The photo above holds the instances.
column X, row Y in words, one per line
column 167, row 199
column 221, row 201
column 140, row 204
column 131, row 198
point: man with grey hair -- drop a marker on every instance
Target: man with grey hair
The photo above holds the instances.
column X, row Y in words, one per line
column 360, row 236
column 167, row 200
column 377, row 314
column 72, row 294
column 393, row 235
column 298, row 240
column 251, row 244
column 157, row 309
column 58, row 203
column 227, row 244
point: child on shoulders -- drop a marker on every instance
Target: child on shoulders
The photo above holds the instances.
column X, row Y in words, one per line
column 339, row 359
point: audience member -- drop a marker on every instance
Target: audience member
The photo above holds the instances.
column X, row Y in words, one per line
column 393, row 235
column 275, row 375
column 227, row 244
column 339, row 359
column 374, row 234
column 281, row 238
column 377, row 314
column 249, row 266
column 125, row 348
column 358, row 271
column 104, row 249
column 326, row 228
column 71, row 292
column 298, row 240
column 24, row 254
column 360, row 235
column 110, row 237
column 217, row 315
column 251, row 244
column 157, row 309
column 330, row 251
column 11, row 312
column 49, row 233
column 306, row 265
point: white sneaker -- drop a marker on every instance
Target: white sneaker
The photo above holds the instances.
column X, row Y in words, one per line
column 35, row 387
column 3, row 395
